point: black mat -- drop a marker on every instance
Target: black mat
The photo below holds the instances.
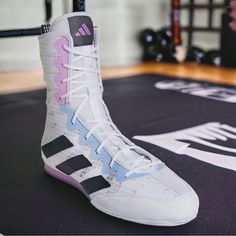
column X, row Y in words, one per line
column 31, row 202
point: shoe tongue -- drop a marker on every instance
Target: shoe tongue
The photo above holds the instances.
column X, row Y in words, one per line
column 78, row 25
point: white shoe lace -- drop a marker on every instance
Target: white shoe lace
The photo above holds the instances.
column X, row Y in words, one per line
column 139, row 165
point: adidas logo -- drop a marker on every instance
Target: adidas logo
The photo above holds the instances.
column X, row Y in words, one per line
column 83, row 31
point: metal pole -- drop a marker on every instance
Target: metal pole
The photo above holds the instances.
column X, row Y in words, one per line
column 20, row 32
column 191, row 20
column 210, row 14
column 78, row 5
column 48, row 8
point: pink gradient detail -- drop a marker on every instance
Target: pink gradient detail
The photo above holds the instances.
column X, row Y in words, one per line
column 77, row 34
column 59, row 175
column 233, row 14
column 81, row 30
column 65, row 178
column 232, row 25
column 62, row 71
column 86, row 29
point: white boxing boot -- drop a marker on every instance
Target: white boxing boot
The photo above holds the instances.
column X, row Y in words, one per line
column 82, row 146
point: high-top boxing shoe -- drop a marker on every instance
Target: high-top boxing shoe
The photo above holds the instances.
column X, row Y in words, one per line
column 83, row 147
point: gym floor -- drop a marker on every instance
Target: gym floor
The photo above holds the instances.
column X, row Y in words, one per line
column 155, row 111
column 19, row 81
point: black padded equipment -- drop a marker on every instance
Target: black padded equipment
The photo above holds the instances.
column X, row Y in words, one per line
column 163, row 39
column 212, row 57
column 147, row 37
column 228, row 46
column 195, row 54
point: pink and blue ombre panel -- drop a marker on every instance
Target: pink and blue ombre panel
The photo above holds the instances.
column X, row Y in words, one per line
column 63, row 57
column 94, row 143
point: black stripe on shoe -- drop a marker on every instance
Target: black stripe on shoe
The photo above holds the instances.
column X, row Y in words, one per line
column 57, row 145
column 74, row 164
column 94, row 184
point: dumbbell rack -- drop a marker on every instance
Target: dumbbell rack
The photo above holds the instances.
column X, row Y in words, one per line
column 78, row 5
column 191, row 7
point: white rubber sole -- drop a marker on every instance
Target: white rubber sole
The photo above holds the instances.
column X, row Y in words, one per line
column 69, row 180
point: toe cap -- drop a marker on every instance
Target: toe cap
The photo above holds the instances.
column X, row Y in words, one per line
column 178, row 211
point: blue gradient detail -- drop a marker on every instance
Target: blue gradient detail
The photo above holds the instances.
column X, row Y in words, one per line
column 103, row 155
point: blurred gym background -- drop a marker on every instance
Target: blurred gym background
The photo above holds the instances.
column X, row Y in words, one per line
column 119, row 34
column 188, row 38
